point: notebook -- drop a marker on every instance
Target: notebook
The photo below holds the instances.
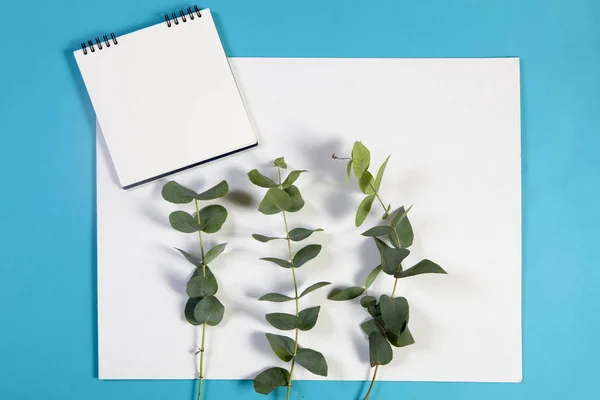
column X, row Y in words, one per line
column 165, row 97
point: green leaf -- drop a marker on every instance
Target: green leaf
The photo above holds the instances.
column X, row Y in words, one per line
column 372, row 276
column 215, row 192
column 390, row 257
column 260, row 180
column 380, row 351
column 346, row 294
column 306, row 254
column 394, row 313
column 297, row 200
column 263, row 238
column 366, row 183
column 282, row 321
column 361, row 157
column 173, row 192
column 280, row 162
column 212, row 218
column 189, row 311
column 278, row 261
column 404, row 228
column 312, row 360
column 307, row 318
column 214, row 252
column 368, row 301
column 192, row 259
column 275, row 297
column 282, row 346
column 380, row 174
column 270, row 379
column 394, row 240
column 200, row 286
column 299, row 234
column 291, row 178
column 275, row 201
column 348, row 170
column 363, row 209
column 370, row 326
column 400, row 215
column 422, row 267
column 387, row 210
column 183, row 222
column 313, row 287
column 209, row 310
column 402, row 340
column 378, row 231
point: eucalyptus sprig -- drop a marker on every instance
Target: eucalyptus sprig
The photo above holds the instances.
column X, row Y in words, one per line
column 284, row 197
column 203, row 307
column 389, row 315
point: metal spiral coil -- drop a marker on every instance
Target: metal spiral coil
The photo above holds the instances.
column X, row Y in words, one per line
column 174, row 19
column 98, row 43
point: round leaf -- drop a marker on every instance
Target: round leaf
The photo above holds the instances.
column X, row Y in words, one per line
column 260, row 180
column 308, row 318
column 299, row 234
column 368, row 301
column 313, row 287
column 306, row 254
column 282, row 321
column 296, row 197
column 215, row 192
column 390, row 257
column 371, row 326
column 214, row 252
column 212, row 218
column 270, row 379
column 402, row 340
column 275, row 297
column 183, row 222
column 282, row 346
column 202, row 286
column 275, row 201
column 312, row 360
column 209, row 310
column 173, row 192
column 346, row 294
column 189, row 311
column 394, row 313
column 380, row 351
column 361, row 159
column 422, row 267
column 363, row 209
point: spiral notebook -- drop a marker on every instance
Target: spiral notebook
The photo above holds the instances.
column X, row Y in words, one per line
column 165, row 97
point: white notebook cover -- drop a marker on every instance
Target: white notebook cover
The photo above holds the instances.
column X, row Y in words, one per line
column 452, row 127
column 165, row 98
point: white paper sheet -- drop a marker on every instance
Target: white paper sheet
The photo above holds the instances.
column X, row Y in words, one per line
column 453, row 129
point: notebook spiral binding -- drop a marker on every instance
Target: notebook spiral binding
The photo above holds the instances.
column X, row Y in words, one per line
column 173, row 19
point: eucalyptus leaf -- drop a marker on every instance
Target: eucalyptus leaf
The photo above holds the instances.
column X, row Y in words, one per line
column 212, row 218
column 394, row 313
column 306, row 254
column 183, row 222
column 291, row 178
column 363, row 209
column 400, row 215
column 173, row 192
column 402, row 340
column 372, row 276
column 209, row 310
column 200, row 286
column 263, row 238
column 189, row 311
column 299, row 234
column 280, row 162
column 422, row 267
column 282, row 321
column 282, row 346
column 370, row 326
column 366, row 183
column 192, row 259
column 312, row 360
column 279, row 261
column 270, row 379
column 386, row 213
column 313, row 287
column 260, row 180
column 296, row 197
column 368, row 301
column 404, row 228
column 380, row 350
column 275, row 201
column 380, row 174
column 307, row 318
column 215, row 192
column 390, row 257
column 361, row 158
column 275, row 297
column 214, row 252
column 348, row 171
column 346, row 294
column 378, row 231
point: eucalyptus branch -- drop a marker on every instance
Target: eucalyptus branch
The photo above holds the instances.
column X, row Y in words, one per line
column 388, row 325
column 284, row 197
column 203, row 307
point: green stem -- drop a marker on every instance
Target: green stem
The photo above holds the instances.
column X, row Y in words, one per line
column 372, row 382
column 289, row 244
column 201, row 366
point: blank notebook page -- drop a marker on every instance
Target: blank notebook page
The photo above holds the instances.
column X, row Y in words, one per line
column 165, row 98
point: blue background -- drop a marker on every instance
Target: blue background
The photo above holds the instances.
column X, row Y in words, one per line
column 47, row 240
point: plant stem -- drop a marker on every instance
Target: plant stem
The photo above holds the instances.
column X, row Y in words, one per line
column 372, row 382
column 289, row 244
column 201, row 366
